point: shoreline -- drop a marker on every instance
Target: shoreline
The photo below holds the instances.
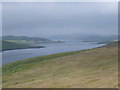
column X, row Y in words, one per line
column 24, row 48
column 97, row 65
column 29, row 47
column 58, row 53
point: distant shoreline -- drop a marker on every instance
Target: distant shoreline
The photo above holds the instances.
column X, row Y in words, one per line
column 25, row 48
column 29, row 47
column 58, row 53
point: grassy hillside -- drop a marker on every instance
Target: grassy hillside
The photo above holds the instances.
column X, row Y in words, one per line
column 24, row 38
column 6, row 45
column 28, row 40
column 93, row 68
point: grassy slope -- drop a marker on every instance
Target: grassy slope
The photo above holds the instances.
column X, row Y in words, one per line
column 94, row 68
column 11, row 45
column 20, row 42
column 24, row 38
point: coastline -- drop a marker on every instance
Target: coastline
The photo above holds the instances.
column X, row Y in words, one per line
column 55, row 53
column 92, row 65
column 25, row 48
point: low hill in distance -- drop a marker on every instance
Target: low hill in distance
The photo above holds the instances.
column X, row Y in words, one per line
column 10, row 45
column 24, row 38
column 22, row 42
column 28, row 40
column 85, row 37
column 92, row 68
column 6, row 45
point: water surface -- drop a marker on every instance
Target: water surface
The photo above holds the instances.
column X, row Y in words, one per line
column 20, row 54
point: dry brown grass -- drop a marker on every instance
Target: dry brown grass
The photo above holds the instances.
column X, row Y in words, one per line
column 95, row 68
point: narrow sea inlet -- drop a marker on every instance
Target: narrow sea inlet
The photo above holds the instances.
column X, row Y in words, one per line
column 51, row 48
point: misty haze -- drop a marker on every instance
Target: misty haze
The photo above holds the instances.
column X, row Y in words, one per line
column 61, row 44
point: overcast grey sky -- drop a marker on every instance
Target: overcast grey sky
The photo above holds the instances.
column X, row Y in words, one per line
column 49, row 19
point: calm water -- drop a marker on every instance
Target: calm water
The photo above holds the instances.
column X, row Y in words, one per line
column 14, row 55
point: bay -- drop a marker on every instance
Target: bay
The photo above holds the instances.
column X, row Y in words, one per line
column 50, row 48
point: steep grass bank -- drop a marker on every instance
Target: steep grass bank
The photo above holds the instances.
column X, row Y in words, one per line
column 94, row 68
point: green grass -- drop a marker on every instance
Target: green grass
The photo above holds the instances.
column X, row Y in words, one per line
column 25, row 64
column 20, row 42
column 93, row 68
column 6, row 45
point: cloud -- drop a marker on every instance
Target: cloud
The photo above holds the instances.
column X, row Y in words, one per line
column 47, row 19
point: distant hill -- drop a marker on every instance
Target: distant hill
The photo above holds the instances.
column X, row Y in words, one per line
column 24, row 38
column 22, row 42
column 83, row 37
column 6, row 45
column 28, row 40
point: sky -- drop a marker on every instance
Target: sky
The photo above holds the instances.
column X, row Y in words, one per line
column 47, row 19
